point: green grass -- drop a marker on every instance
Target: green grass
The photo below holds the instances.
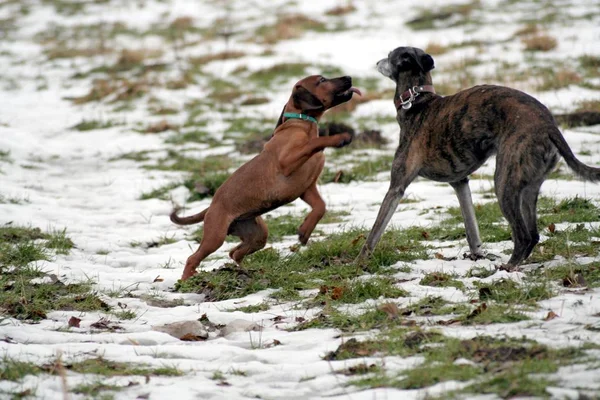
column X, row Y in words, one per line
column 205, row 175
column 509, row 292
column 104, row 367
column 434, row 305
column 444, row 17
column 359, row 290
column 92, row 124
column 422, row 376
column 5, row 156
column 14, row 370
column 365, row 170
column 575, row 209
column 96, row 389
column 569, row 243
column 571, row 274
column 326, row 262
column 494, row 228
column 264, row 306
column 24, row 299
column 441, row 279
column 277, row 74
column 288, row 224
column 501, row 366
column 491, row 314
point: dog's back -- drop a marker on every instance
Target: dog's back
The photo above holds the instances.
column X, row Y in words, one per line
column 461, row 131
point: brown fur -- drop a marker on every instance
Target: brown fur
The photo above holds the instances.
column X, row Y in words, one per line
column 287, row 168
column 447, row 138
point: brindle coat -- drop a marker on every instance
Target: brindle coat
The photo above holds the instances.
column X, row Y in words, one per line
column 447, row 138
column 287, row 168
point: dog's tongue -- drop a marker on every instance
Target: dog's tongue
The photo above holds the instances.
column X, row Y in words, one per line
column 355, row 90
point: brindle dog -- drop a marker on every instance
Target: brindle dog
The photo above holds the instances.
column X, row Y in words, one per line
column 447, row 138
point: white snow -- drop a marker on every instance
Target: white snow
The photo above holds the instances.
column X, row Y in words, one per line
column 67, row 180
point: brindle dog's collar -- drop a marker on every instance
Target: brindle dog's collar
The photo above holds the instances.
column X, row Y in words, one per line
column 406, row 99
column 303, row 117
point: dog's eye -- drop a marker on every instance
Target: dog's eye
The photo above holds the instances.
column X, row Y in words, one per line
column 321, row 80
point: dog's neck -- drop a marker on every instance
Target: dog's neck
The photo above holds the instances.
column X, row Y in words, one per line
column 412, row 89
column 290, row 109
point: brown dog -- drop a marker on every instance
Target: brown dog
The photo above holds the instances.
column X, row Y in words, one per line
column 447, row 138
column 287, row 168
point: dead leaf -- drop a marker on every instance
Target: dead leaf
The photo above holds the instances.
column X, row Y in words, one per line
column 105, row 324
column 425, row 234
column 338, row 291
column 190, row 337
column 551, row 315
column 273, row 344
column 357, row 239
column 552, row 227
column 74, row 322
column 323, row 289
column 300, row 319
column 278, row 318
column 482, row 307
column 440, row 256
column 158, row 279
column 391, row 309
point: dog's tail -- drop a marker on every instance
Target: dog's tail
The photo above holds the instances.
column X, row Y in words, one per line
column 584, row 171
column 192, row 219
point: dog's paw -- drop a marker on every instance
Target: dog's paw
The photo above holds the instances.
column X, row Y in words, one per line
column 344, row 139
column 473, row 256
column 303, row 236
column 508, row 268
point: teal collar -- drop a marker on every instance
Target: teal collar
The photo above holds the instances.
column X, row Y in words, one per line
column 303, row 117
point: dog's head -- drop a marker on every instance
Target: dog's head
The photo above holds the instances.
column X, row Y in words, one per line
column 315, row 94
column 405, row 61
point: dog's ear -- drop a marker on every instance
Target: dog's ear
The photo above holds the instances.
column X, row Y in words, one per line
column 423, row 60
column 305, row 100
column 280, row 120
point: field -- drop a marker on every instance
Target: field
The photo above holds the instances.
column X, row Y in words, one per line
column 115, row 111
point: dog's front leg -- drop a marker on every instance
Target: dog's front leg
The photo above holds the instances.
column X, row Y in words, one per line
column 291, row 160
column 468, row 212
column 404, row 170
column 314, row 200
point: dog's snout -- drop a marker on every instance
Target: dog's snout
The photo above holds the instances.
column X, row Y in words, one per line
column 383, row 66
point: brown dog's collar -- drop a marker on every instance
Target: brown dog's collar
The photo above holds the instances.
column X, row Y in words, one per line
column 406, row 99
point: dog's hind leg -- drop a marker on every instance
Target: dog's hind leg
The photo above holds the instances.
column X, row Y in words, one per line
column 314, row 200
column 215, row 231
column 510, row 188
column 253, row 232
column 529, row 198
column 463, row 192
